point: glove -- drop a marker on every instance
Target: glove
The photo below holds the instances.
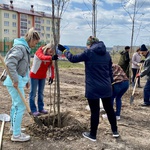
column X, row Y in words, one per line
column 138, row 64
column 61, row 47
column 138, row 75
column 55, row 57
column 50, row 81
column 142, row 61
column 67, row 48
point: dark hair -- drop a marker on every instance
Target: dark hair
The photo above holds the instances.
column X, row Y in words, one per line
column 138, row 50
column 127, row 47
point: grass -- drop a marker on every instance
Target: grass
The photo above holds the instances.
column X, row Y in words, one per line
column 67, row 64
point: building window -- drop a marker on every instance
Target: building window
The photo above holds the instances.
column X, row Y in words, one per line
column 23, row 25
column 42, row 28
column 47, row 21
column 14, row 31
column 47, row 28
column 14, row 16
column 6, row 31
column 23, row 32
column 24, row 17
column 6, row 23
column 14, row 24
column 37, row 20
column 42, row 34
column 6, row 15
column 42, row 21
column 47, row 35
column 29, row 22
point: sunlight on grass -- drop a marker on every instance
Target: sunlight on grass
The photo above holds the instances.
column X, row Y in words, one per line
column 67, row 64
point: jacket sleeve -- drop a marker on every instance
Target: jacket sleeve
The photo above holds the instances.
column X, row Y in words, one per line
column 146, row 70
column 41, row 56
column 76, row 58
column 134, row 59
column 11, row 60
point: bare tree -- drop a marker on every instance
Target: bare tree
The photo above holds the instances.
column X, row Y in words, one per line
column 58, row 7
column 133, row 8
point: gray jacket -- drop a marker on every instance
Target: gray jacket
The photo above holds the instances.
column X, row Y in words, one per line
column 146, row 70
column 18, row 61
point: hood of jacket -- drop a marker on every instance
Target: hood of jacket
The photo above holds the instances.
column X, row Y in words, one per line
column 99, row 48
column 22, row 41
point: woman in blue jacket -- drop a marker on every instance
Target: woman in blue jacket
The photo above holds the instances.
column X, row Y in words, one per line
column 17, row 61
column 98, row 79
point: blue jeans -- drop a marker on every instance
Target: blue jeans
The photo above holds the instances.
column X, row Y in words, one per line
column 36, row 83
column 118, row 90
column 147, row 93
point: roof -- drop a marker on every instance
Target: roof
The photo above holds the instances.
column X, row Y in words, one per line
column 25, row 11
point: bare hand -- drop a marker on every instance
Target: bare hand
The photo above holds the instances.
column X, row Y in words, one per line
column 27, row 85
column 15, row 85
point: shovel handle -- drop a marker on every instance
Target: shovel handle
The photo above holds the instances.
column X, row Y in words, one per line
column 136, row 81
column 1, row 134
column 23, row 99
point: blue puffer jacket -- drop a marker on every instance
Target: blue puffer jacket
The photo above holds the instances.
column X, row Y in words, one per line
column 98, row 70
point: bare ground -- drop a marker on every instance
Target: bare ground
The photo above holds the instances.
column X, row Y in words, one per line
column 133, row 126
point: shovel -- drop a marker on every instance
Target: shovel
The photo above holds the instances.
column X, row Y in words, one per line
column 36, row 119
column 136, row 81
column 3, row 118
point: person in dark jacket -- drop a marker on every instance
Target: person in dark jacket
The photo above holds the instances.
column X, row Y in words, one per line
column 125, row 60
column 146, row 72
column 98, row 79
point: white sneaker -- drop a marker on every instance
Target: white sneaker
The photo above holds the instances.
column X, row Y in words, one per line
column 118, row 117
column 21, row 138
column 11, row 130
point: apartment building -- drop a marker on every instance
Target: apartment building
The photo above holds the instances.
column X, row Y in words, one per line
column 14, row 22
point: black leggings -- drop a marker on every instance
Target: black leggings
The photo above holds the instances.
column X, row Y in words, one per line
column 95, row 112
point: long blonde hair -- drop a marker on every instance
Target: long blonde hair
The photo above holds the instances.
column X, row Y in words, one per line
column 32, row 35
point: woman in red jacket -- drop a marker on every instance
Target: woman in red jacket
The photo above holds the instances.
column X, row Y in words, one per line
column 41, row 63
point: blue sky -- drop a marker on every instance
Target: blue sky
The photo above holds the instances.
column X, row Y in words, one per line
column 113, row 22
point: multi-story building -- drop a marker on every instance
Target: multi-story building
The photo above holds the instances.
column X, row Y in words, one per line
column 14, row 23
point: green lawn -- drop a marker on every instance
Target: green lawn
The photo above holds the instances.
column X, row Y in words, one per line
column 67, row 64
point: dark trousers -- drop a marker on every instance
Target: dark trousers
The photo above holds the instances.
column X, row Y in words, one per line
column 134, row 72
column 95, row 112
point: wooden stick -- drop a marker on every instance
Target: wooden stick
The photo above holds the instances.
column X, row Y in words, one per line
column 1, row 134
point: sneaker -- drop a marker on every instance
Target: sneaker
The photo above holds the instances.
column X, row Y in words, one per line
column 44, row 111
column 115, row 134
column 35, row 114
column 11, row 130
column 20, row 138
column 117, row 117
column 88, row 136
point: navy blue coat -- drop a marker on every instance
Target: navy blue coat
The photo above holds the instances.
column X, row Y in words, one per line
column 98, row 70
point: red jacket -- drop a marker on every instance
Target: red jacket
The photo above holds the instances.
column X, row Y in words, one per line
column 41, row 63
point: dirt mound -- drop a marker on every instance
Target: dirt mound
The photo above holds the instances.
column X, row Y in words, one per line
column 70, row 129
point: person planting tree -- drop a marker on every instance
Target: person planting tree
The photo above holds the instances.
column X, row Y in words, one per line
column 98, row 74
